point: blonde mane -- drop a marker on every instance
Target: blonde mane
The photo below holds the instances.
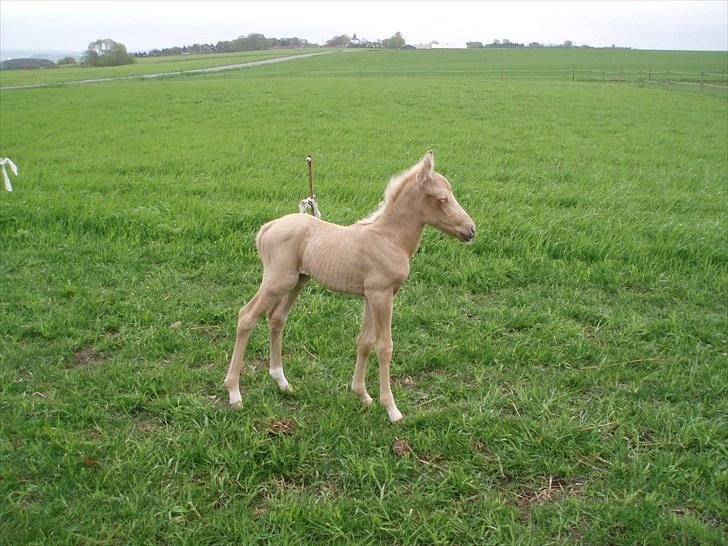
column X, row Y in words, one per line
column 393, row 190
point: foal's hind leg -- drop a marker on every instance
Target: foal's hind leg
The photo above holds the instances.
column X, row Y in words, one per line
column 276, row 321
column 268, row 295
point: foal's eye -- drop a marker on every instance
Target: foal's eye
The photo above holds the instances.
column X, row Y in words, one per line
column 442, row 200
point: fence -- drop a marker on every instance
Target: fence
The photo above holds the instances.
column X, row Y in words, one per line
column 702, row 81
column 698, row 81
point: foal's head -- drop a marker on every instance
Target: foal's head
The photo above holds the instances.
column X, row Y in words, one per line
column 438, row 205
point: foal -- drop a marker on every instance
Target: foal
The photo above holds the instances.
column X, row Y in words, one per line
column 370, row 258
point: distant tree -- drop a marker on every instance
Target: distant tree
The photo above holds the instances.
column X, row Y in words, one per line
column 106, row 53
column 253, row 42
column 504, row 43
column 338, row 41
column 474, row 44
column 534, row 44
column 395, row 42
column 568, row 43
column 66, row 60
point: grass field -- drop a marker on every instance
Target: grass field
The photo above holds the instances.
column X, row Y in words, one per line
column 142, row 66
column 563, row 379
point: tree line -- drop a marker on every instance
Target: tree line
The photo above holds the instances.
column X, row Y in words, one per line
column 506, row 43
column 258, row 42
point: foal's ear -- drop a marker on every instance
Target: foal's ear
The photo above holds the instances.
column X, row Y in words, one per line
column 427, row 165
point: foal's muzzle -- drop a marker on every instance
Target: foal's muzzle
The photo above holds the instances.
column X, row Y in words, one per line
column 467, row 234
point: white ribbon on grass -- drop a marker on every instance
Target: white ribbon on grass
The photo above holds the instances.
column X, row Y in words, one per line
column 6, row 161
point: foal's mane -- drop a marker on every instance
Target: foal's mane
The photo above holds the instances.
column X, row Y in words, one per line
column 393, row 190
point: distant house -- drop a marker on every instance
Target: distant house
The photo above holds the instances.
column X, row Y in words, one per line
column 355, row 42
column 407, row 46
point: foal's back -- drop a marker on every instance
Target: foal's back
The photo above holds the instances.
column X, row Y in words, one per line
column 300, row 244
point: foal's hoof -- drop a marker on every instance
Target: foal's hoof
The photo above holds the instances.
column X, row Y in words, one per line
column 236, row 400
column 286, row 389
column 395, row 416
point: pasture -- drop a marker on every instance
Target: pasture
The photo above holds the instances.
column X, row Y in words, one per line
column 563, row 378
column 142, row 66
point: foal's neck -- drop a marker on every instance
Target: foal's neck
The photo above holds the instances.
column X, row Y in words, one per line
column 401, row 225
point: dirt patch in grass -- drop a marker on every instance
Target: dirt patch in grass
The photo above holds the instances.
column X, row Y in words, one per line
column 145, row 426
column 256, row 363
column 401, row 448
column 546, row 489
column 713, row 521
column 85, row 358
column 279, row 426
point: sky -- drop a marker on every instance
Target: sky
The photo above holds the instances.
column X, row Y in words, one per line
column 144, row 25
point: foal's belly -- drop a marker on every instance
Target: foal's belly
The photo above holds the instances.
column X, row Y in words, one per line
column 335, row 263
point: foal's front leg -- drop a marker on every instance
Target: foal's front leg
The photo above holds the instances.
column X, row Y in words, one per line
column 364, row 344
column 381, row 308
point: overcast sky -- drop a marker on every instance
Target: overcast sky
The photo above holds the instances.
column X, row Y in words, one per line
column 144, row 25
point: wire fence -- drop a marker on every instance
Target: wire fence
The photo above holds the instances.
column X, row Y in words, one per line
column 700, row 81
column 713, row 82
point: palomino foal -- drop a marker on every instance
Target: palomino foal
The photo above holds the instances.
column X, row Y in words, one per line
column 370, row 258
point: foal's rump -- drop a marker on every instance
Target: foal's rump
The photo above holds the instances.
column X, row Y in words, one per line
column 279, row 247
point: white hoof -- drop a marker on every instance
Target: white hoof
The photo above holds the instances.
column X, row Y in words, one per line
column 280, row 380
column 394, row 415
column 235, row 399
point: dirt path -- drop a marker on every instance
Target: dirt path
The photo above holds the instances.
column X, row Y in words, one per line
column 177, row 73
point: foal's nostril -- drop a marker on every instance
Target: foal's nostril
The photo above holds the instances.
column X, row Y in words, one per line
column 468, row 233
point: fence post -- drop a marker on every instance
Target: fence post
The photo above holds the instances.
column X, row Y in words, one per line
column 649, row 75
column 573, row 75
column 702, row 77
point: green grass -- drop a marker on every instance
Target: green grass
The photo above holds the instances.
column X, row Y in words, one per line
column 563, row 379
column 142, row 66
column 536, row 61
